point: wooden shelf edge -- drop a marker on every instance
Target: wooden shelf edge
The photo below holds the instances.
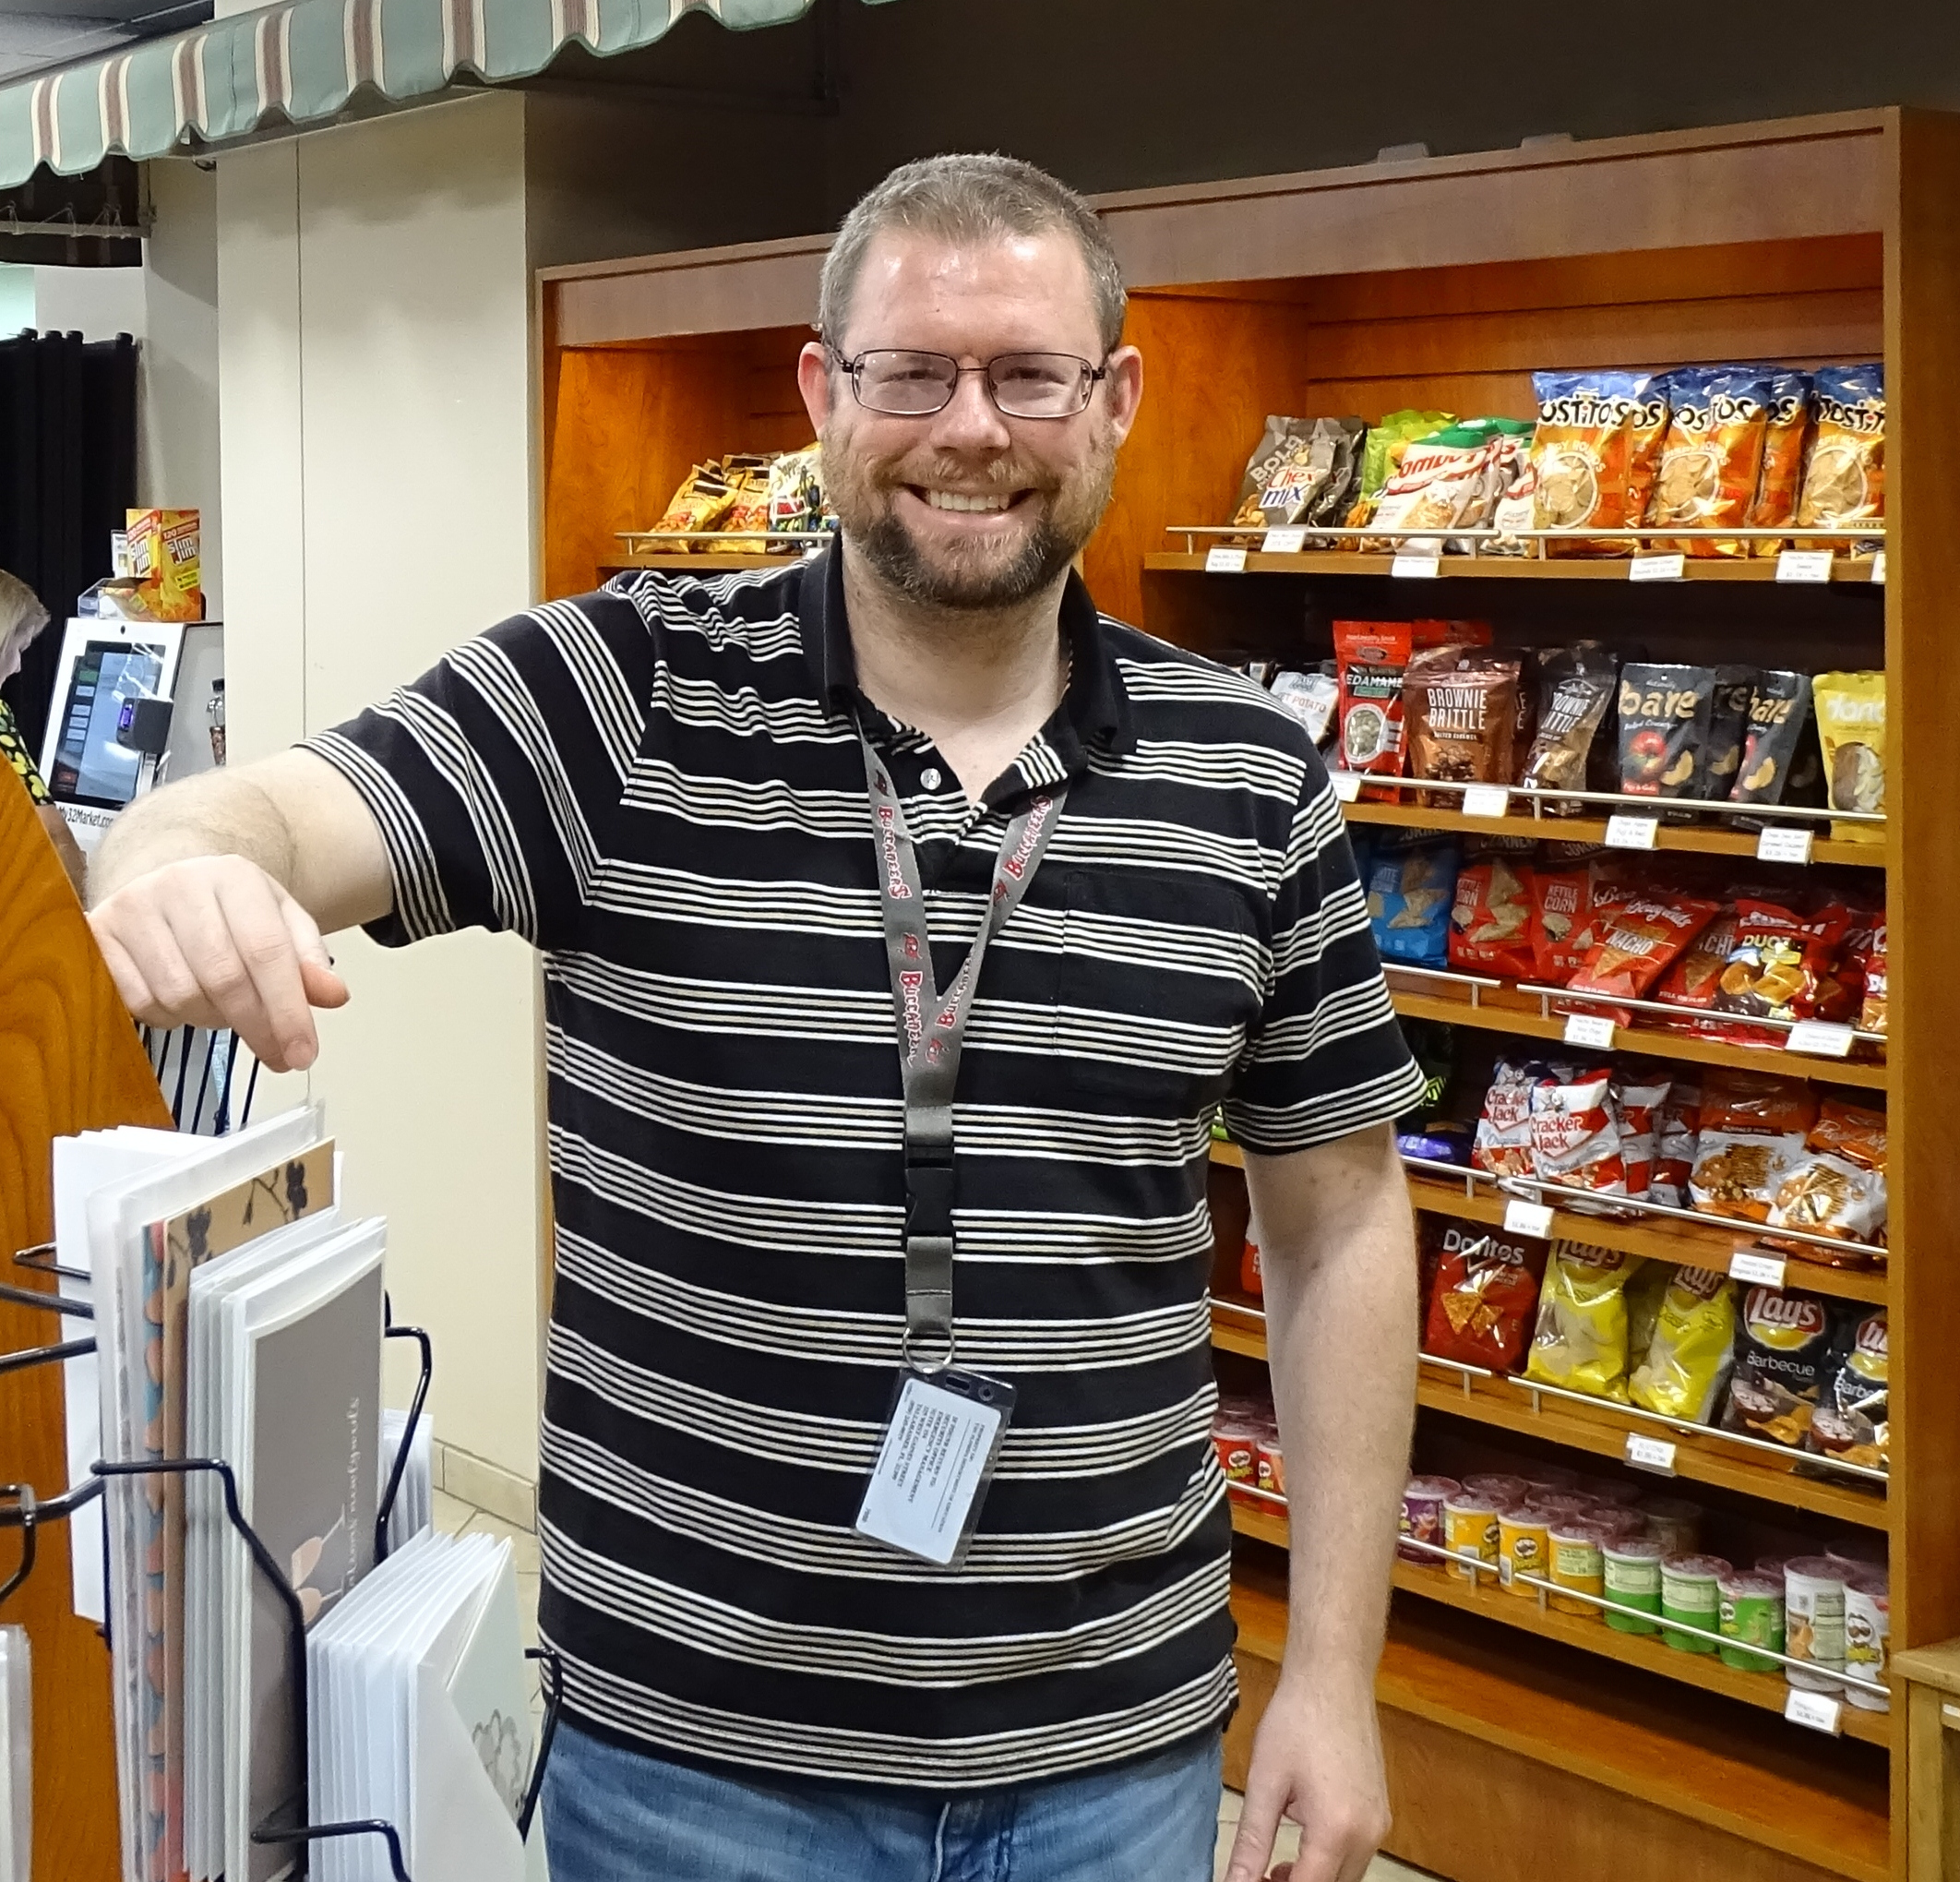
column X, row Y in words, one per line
column 1845, row 571
column 1649, row 1042
column 1687, row 837
column 1723, row 1790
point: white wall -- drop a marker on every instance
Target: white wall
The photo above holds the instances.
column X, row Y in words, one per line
column 97, row 303
column 374, row 341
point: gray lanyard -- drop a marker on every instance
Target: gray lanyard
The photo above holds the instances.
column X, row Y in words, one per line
column 932, row 1030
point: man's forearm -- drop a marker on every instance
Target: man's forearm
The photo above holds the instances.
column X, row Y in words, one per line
column 1341, row 1318
column 218, row 814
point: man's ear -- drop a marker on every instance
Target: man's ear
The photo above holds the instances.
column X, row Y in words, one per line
column 813, row 380
column 1124, row 388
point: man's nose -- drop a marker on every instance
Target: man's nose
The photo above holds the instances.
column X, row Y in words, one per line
column 971, row 421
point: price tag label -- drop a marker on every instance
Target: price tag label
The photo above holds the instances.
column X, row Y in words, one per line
column 1819, row 1711
column 1413, row 563
column 1650, row 1454
column 1821, row 1038
column 1224, row 561
column 1878, row 568
column 1487, row 800
column 1346, row 785
column 1804, row 565
column 1528, row 1218
column 1783, row 844
column 1758, row 1270
column 1285, row 542
column 1623, row 831
column 1593, row 1029
column 1657, row 568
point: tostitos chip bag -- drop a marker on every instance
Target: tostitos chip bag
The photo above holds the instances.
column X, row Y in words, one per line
column 1713, row 456
column 1595, row 453
column 1580, row 1341
column 1785, row 441
column 1690, row 1352
column 1844, row 483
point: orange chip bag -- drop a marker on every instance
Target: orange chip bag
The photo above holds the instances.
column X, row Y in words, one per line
column 1713, row 457
column 1639, row 941
column 1594, row 453
column 1844, row 480
column 1785, row 440
column 1694, row 980
column 1872, row 1018
column 1753, row 1128
column 1838, row 1187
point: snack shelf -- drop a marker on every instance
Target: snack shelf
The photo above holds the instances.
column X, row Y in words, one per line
column 704, row 562
column 1845, row 571
column 1593, row 829
column 1493, row 1011
column 1738, row 1772
column 1720, row 1459
column 1695, row 1239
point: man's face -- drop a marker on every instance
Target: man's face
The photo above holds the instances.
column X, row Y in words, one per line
column 901, row 485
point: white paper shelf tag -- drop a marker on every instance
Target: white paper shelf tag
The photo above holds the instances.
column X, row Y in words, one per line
column 1528, row 1218
column 1819, row 1711
column 1487, row 800
column 1220, row 561
column 1287, row 541
column 1780, row 844
column 1657, row 568
column 1412, row 564
column 1821, row 1038
column 1758, row 1270
column 1650, row 1454
column 1878, row 568
column 1624, row 831
column 1804, row 565
column 1346, row 785
column 1593, row 1029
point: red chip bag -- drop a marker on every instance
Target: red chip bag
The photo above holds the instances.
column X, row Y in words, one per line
column 1871, row 1013
column 1485, row 1297
column 1841, row 993
column 1371, row 658
column 1567, row 906
column 1692, row 980
column 1491, row 924
column 1636, row 943
column 1575, row 1133
column 1640, row 1089
column 1778, row 961
column 1677, row 1133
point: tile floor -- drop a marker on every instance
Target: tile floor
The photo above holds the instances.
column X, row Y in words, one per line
column 456, row 1517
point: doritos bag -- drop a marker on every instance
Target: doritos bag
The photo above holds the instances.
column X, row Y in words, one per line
column 1484, row 1296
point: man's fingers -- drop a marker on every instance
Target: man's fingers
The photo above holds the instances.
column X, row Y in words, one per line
column 129, row 979
column 324, row 987
column 1258, row 1821
column 263, row 964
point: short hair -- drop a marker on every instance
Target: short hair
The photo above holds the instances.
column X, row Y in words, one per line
column 983, row 198
column 22, row 611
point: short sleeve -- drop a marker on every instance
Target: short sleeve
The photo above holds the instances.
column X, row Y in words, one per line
column 496, row 777
column 13, row 749
column 1326, row 1057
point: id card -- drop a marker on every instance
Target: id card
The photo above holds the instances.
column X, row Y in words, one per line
column 935, row 1464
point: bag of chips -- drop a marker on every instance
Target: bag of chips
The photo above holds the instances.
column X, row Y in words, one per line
column 1382, row 454
column 1688, row 1357
column 1694, row 980
column 1678, row 1131
column 1753, row 1128
column 1567, row 905
column 1728, row 724
column 1502, row 1145
column 1779, row 705
column 1594, row 453
column 1851, row 724
column 1844, row 483
column 1301, row 472
column 1638, row 943
column 1853, row 1419
column 1871, row 1013
column 1712, row 461
column 1786, row 439
column 1313, row 697
column 1371, row 658
column 1776, row 964
column 704, row 500
column 1782, row 1353
column 1838, row 1185
column 1484, row 1296
column 1580, row 1340
column 1460, row 713
column 1640, row 1089
column 1664, row 722
column 1444, row 481
column 1841, row 992
column 1577, row 687
column 1410, row 887
column 1490, row 923
column 1575, row 1132
column 796, row 502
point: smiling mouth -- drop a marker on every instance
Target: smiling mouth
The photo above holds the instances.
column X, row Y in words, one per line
column 962, row 500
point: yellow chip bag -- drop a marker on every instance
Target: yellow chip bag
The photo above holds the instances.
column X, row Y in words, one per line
column 1579, row 1342
column 1850, row 709
column 1689, row 1355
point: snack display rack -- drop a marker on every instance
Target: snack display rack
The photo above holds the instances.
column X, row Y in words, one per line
column 1516, row 1737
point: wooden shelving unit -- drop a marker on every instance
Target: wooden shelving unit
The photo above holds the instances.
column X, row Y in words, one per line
column 1444, row 282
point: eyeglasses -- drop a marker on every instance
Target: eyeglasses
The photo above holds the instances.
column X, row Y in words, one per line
column 905, row 384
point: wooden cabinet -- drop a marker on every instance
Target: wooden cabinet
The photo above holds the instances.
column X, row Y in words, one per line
column 1515, row 1741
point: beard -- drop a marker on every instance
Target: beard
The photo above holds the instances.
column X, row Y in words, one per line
column 977, row 577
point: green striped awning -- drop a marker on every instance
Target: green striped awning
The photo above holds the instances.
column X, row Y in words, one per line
column 301, row 61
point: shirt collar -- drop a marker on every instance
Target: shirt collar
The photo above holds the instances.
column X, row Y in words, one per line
column 1095, row 711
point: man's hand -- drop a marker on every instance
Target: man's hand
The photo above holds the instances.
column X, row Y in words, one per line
column 1316, row 1758
column 215, row 942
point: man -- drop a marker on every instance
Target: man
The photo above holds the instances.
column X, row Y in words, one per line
column 755, row 824
column 22, row 617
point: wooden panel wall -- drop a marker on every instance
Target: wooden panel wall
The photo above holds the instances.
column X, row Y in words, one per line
column 624, row 424
column 69, row 1062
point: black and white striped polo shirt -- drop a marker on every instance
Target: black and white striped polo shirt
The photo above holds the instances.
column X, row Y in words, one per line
column 660, row 786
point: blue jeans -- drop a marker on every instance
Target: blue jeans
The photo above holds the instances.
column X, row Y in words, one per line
column 612, row 1816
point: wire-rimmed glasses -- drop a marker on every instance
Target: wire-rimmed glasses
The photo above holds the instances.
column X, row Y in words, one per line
column 903, row 382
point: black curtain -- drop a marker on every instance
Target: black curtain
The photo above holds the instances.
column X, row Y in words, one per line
column 68, row 475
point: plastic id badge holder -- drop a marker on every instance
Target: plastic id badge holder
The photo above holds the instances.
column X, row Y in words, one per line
column 935, row 1463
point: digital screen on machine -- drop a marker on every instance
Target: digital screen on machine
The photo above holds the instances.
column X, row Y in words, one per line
column 91, row 764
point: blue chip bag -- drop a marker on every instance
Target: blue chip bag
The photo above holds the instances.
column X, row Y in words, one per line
column 1844, row 481
column 1411, row 886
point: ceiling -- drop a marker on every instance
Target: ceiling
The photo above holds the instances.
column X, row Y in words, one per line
column 38, row 35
